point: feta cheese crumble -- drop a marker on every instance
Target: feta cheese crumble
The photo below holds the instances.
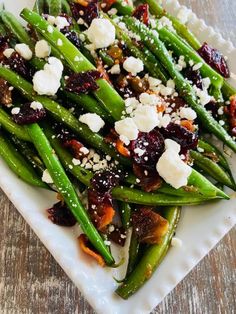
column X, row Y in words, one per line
column 61, row 22
column 171, row 167
column 187, row 113
column 146, row 118
column 42, row 49
column 24, row 50
column 47, row 81
column 133, row 65
column 127, row 128
column 15, row 110
column 93, row 121
column 101, row 33
column 46, row 177
column 176, row 242
column 115, row 69
column 149, row 99
column 36, row 105
column 8, row 52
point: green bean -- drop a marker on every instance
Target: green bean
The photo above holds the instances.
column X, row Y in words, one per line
column 133, row 253
column 228, row 90
column 108, row 97
column 183, row 87
column 151, row 259
column 106, row 58
column 181, row 29
column 39, row 6
column 61, row 114
column 152, row 65
column 122, row 7
column 7, row 123
column 211, row 168
column 180, row 48
column 54, row 7
column 67, row 190
column 66, row 7
column 125, row 213
column 17, row 164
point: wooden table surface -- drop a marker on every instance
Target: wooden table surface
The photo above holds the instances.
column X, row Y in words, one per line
column 32, row 282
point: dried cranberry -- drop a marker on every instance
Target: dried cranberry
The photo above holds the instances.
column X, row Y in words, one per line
column 19, row 65
column 176, row 103
column 83, row 82
column 106, row 4
column 213, row 107
column 3, row 45
column 148, row 180
column 186, row 139
column 232, row 115
column 28, row 115
column 5, row 93
column 72, row 37
column 141, row 13
column 60, row 215
column 87, row 13
column 152, row 145
column 63, row 134
column 194, row 76
column 118, row 236
column 75, row 148
column 104, row 181
column 215, row 59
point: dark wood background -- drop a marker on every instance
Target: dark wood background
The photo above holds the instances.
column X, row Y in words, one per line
column 32, row 282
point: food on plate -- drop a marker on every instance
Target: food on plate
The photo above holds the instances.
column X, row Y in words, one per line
column 113, row 107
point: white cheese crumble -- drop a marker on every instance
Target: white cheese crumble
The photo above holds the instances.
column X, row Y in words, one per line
column 115, row 69
column 61, row 22
column 139, row 151
column 149, row 99
column 153, row 82
column 8, row 52
column 197, row 66
column 24, row 50
column 127, row 128
column 46, row 177
column 59, row 42
column 93, row 121
column 36, row 105
column 146, row 118
column 101, row 33
column 187, row 113
column 15, row 110
column 47, row 81
column 171, row 168
column 176, row 242
column 51, row 19
column 42, row 49
column 50, row 29
column 133, row 65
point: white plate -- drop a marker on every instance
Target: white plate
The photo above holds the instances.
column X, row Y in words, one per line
column 200, row 227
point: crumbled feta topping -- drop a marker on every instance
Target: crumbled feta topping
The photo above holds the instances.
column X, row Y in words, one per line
column 115, row 69
column 133, row 65
column 76, row 162
column 165, row 22
column 36, row 105
column 172, row 168
column 8, row 52
column 206, row 82
column 127, row 128
column 15, row 110
column 50, row 29
column 197, row 66
column 51, row 19
column 153, row 82
column 93, row 121
column 149, row 99
column 170, row 144
column 204, row 97
column 24, row 50
column 46, row 177
column 42, row 49
column 61, row 22
column 176, row 242
column 47, row 81
column 220, row 111
column 139, row 151
column 183, row 15
column 101, row 33
column 181, row 64
column 59, row 42
column 84, row 150
column 146, row 118
column 187, row 113
column 164, row 120
column 131, row 102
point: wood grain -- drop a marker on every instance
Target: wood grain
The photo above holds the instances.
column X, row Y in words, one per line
column 32, row 282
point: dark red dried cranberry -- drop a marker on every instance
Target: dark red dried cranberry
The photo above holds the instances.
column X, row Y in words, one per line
column 84, row 82
column 142, row 13
column 186, row 139
column 149, row 180
column 75, row 148
column 232, row 115
column 72, row 37
column 215, row 59
column 213, row 107
column 28, row 115
column 19, row 65
column 194, row 76
column 3, row 45
column 176, row 103
column 104, row 181
column 118, row 236
column 63, row 134
column 152, row 145
column 60, row 215
column 87, row 13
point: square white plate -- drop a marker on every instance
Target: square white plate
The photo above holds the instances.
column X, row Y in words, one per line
column 200, row 227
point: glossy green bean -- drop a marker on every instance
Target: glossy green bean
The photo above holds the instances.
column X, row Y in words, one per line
column 151, row 259
column 133, row 253
column 106, row 58
column 54, row 7
column 66, row 189
column 17, row 163
column 125, row 213
column 39, row 6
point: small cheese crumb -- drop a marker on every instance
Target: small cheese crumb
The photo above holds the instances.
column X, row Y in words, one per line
column 139, row 151
column 51, row 19
column 149, row 99
column 15, row 110
column 127, row 128
column 115, row 69
column 24, row 50
column 197, row 66
column 42, row 49
column 84, row 150
column 187, row 113
column 36, row 105
column 176, row 242
column 46, row 177
column 153, row 82
column 76, row 162
column 146, row 118
column 93, row 121
column 133, row 65
column 8, row 52
column 101, row 33
column 50, row 29
column 61, row 22
column 59, row 42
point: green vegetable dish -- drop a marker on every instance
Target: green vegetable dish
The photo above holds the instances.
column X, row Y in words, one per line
column 114, row 107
